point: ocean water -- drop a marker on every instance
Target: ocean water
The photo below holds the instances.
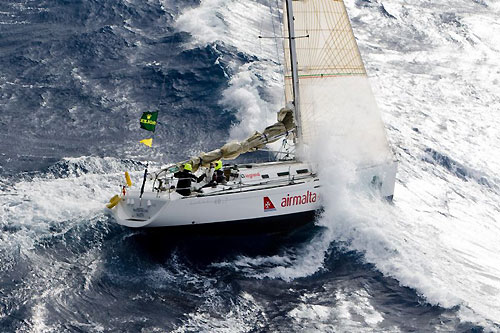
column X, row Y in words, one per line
column 75, row 77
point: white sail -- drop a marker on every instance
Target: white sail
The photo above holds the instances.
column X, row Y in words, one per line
column 336, row 108
column 336, row 101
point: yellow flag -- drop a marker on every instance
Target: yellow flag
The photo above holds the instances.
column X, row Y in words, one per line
column 147, row 142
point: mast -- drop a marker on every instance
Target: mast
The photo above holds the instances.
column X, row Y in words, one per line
column 293, row 64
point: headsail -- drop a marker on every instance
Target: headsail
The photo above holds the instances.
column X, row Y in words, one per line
column 335, row 96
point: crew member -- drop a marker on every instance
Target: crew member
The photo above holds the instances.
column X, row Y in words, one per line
column 208, row 174
column 185, row 177
column 218, row 176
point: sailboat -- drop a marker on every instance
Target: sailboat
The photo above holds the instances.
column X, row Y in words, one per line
column 327, row 95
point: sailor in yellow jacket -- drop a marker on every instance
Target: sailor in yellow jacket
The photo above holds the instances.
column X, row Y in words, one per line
column 185, row 177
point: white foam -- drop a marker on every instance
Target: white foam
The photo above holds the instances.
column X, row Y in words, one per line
column 441, row 237
column 243, row 314
column 255, row 89
column 244, row 95
column 347, row 311
column 436, row 82
column 41, row 208
column 301, row 262
column 38, row 319
column 32, row 206
column 234, row 23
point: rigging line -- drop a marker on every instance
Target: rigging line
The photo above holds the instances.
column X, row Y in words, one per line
column 159, row 103
column 260, row 32
column 162, row 90
column 280, row 56
column 274, row 29
column 160, row 99
column 270, row 156
column 167, row 63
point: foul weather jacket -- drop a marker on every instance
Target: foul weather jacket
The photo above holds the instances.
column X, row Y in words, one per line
column 184, row 183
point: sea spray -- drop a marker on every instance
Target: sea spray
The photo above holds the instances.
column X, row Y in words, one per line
column 405, row 240
column 255, row 88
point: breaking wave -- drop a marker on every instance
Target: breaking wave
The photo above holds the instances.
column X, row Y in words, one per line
column 461, row 171
column 423, row 240
column 255, row 75
column 429, row 261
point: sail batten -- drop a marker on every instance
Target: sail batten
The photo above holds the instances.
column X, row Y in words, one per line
column 331, row 44
column 337, row 104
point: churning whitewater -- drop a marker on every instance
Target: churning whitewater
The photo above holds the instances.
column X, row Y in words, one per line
column 76, row 77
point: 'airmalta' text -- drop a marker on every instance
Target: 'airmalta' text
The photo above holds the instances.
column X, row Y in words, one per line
column 298, row 199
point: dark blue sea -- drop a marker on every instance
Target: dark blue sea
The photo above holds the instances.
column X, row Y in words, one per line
column 75, row 77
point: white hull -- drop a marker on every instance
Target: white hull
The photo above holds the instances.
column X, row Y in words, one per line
column 287, row 191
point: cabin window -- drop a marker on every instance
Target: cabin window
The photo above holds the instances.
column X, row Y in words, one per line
column 265, row 176
column 280, row 174
column 302, row 171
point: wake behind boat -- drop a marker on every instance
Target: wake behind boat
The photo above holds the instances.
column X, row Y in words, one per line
column 329, row 101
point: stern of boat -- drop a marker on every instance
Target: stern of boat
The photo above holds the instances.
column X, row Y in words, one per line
column 136, row 212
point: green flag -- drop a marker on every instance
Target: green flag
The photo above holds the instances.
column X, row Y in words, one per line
column 148, row 120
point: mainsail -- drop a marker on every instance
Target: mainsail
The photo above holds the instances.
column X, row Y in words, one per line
column 336, row 102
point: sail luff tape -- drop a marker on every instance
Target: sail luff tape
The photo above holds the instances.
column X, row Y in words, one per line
column 127, row 179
